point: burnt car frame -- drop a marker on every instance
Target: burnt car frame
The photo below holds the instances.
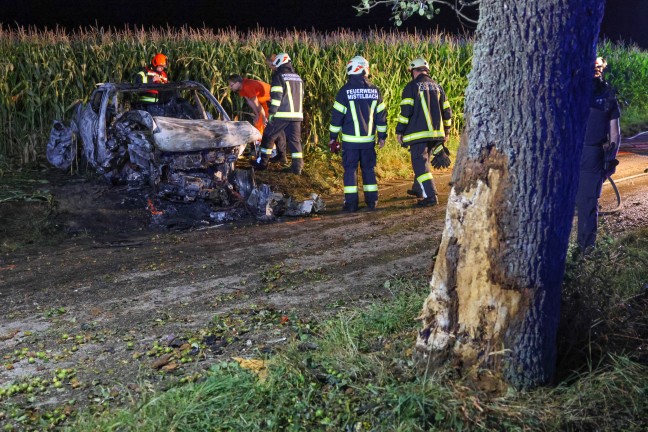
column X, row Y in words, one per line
column 185, row 145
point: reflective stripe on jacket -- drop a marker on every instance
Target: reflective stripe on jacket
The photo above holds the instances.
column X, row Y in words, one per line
column 286, row 95
column 151, row 96
column 425, row 112
column 358, row 112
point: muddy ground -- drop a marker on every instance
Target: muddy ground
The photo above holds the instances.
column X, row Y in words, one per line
column 97, row 307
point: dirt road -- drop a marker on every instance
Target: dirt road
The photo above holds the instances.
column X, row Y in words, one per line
column 127, row 306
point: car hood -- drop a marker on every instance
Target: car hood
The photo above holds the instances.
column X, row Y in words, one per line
column 180, row 135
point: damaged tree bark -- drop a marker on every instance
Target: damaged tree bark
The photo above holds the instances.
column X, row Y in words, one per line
column 495, row 291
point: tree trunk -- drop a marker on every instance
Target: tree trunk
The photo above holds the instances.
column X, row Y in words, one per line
column 495, row 291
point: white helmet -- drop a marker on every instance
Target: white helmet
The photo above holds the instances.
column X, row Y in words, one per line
column 419, row 62
column 356, row 65
column 280, row 59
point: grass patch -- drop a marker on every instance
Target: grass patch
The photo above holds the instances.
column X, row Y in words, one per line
column 605, row 297
column 357, row 373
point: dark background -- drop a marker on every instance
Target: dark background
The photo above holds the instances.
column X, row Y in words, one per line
column 624, row 19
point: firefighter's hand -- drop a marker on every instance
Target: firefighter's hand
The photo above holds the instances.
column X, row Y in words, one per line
column 609, row 147
column 381, row 143
column 610, row 167
column 399, row 138
column 441, row 157
column 334, row 146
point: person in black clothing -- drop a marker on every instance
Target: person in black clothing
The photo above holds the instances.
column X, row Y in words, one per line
column 358, row 114
column 423, row 125
column 598, row 161
column 285, row 114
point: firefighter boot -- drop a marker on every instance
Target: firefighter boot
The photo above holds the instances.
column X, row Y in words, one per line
column 279, row 158
column 295, row 168
column 427, row 202
column 350, row 207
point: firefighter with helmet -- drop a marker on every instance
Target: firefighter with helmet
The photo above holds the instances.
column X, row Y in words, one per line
column 423, row 126
column 358, row 118
column 598, row 160
column 285, row 114
column 155, row 74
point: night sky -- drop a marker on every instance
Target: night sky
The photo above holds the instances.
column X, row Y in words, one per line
column 624, row 19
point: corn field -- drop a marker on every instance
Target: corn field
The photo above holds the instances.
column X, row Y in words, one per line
column 43, row 73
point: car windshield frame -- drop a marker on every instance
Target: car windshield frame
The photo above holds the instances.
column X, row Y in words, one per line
column 113, row 89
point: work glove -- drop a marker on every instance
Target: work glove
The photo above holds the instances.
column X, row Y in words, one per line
column 610, row 167
column 335, row 146
column 441, row 157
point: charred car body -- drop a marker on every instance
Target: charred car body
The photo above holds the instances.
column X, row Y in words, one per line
column 184, row 146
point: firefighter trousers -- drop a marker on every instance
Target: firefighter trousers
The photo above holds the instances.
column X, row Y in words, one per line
column 423, row 181
column 273, row 131
column 590, row 182
column 366, row 157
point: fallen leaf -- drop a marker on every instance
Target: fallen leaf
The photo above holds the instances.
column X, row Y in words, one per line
column 165, row 359
column 169, row 367
column 259, row 367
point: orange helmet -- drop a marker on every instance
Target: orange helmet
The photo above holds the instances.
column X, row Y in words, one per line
column 159, row 59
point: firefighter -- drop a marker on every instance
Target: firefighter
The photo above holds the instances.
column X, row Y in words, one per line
column 598, row 161
column 423, row 125
column 257, row 94
column 285, row 113
column 150, row 99
column 358, row 116
column 154, row 75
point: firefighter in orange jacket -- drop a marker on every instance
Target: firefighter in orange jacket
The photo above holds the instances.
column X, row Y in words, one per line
column 423, row 125
column 358, row 116
column 154, row 75
column 257, row 95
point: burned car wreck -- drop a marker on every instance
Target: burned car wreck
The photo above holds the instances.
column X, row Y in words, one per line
column 181, row 149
